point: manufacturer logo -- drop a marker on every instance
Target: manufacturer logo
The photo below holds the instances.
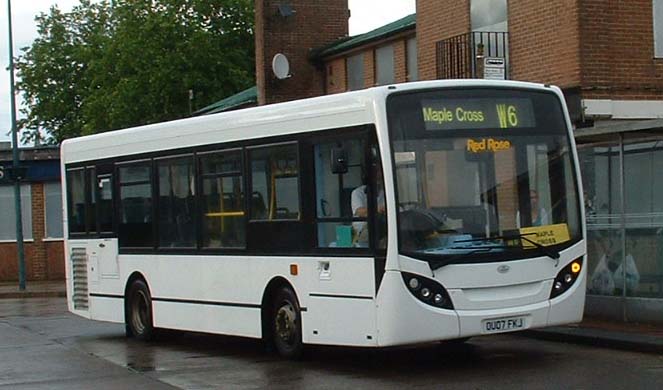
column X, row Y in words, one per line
column 503, row 269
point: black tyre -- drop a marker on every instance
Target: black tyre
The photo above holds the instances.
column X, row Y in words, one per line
column 138, row 312
column 286, row 325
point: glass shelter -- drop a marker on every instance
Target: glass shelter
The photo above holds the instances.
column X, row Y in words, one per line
column 623, row 194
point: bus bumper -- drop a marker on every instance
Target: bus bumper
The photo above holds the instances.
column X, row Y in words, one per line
column 402, row 319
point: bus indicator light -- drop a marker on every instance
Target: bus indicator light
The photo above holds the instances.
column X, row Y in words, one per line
column 566, row 278
column 294, row 269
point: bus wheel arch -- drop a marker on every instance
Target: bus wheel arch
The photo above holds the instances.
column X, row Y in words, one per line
column 138, row 312
column 281, row 315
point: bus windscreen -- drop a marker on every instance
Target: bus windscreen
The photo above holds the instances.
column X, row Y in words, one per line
column 473, row 166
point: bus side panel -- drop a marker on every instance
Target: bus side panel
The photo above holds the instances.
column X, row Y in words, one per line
column 71, row 280
column 214, row 294
column 223, row 294
column 340, row 321
column 340, row 303
column 107, row 309
column 402, row 319
column 105, row 287
column 236, row 321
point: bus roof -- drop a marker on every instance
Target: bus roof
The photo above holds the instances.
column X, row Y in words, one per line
column 318, row 113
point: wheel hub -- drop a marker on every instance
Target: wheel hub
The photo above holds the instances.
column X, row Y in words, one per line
column 285, row 323
column 139, row 312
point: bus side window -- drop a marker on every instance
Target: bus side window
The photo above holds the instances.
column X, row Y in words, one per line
column 91, row 175
column 275, row 183
column 223, row 215
column 76, row 200
column 104, row 187
column 176, row 203
column 380, row 216
column 340, row 194
column 135, row 222
column 81, row 201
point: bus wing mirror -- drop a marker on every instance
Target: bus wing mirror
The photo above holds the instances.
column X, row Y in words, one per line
column 339, row 161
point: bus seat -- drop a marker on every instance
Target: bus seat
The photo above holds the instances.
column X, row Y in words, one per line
column 258, row 208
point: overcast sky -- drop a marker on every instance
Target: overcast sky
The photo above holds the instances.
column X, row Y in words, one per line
column 366, row 15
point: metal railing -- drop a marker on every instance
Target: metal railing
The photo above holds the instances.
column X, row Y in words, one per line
column 462, row 56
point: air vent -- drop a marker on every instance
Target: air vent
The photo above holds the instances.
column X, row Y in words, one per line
column 79, row 267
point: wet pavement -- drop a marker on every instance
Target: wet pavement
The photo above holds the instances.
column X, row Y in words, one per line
column 43, row 346
column 33, row 289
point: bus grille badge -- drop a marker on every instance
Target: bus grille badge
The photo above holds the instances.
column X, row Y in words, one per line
column 503, row 269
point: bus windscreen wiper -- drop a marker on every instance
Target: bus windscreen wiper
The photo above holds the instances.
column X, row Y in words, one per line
column 453, row 259
column 553, row 254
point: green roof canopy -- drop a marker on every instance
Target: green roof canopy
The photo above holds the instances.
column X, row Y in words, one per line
column 237, row 100
column 406, row 23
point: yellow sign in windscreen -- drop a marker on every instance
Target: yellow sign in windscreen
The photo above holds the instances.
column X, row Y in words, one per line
column 546, row 235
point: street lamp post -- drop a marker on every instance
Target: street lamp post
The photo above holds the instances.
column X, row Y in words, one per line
column 15, row 169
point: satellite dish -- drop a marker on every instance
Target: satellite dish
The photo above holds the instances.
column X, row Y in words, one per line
column 281, row 66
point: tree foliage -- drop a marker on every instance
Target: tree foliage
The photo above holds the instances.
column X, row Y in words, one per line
column 106, row 66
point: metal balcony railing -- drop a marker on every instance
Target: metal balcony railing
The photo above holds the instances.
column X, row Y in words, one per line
column 462, row 56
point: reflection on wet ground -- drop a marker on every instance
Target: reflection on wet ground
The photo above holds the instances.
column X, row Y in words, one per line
column 192, row 360
column 31, row 307
column 202, row 361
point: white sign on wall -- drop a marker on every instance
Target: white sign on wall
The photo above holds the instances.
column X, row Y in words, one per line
column 494, row 68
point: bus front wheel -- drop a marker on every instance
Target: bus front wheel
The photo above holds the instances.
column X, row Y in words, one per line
column 138, row 316
column 286, row 324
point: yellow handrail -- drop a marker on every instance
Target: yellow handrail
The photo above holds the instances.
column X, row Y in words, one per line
column 226, row 214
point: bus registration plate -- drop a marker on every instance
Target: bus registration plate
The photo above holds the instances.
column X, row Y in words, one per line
column 500, row 325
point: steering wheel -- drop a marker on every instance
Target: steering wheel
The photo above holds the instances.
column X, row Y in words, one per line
column 419, row 221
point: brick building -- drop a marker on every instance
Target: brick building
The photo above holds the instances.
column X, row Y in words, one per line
column 293, row 30
column 607, row 56
column 41, row 209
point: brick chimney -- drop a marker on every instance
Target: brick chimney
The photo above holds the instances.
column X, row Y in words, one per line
column 293, row 28
column 437, row 20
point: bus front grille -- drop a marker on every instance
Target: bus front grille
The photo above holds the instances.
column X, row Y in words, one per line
column 79, row 269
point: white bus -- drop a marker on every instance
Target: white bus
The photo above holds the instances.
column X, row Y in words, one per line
column 394, row 215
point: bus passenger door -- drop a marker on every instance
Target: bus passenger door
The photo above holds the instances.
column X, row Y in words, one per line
column 341, row 282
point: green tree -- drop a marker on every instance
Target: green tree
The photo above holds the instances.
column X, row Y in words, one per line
column 106, row 66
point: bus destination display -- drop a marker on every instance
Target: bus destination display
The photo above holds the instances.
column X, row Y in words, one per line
column 482, row 113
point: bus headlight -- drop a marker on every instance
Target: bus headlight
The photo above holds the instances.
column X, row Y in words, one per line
column 566, row 277
column 414, row 284
column 427, row 291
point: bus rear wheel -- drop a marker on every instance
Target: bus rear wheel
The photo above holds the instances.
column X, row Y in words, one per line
column 138, row 315
column 286, row 324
